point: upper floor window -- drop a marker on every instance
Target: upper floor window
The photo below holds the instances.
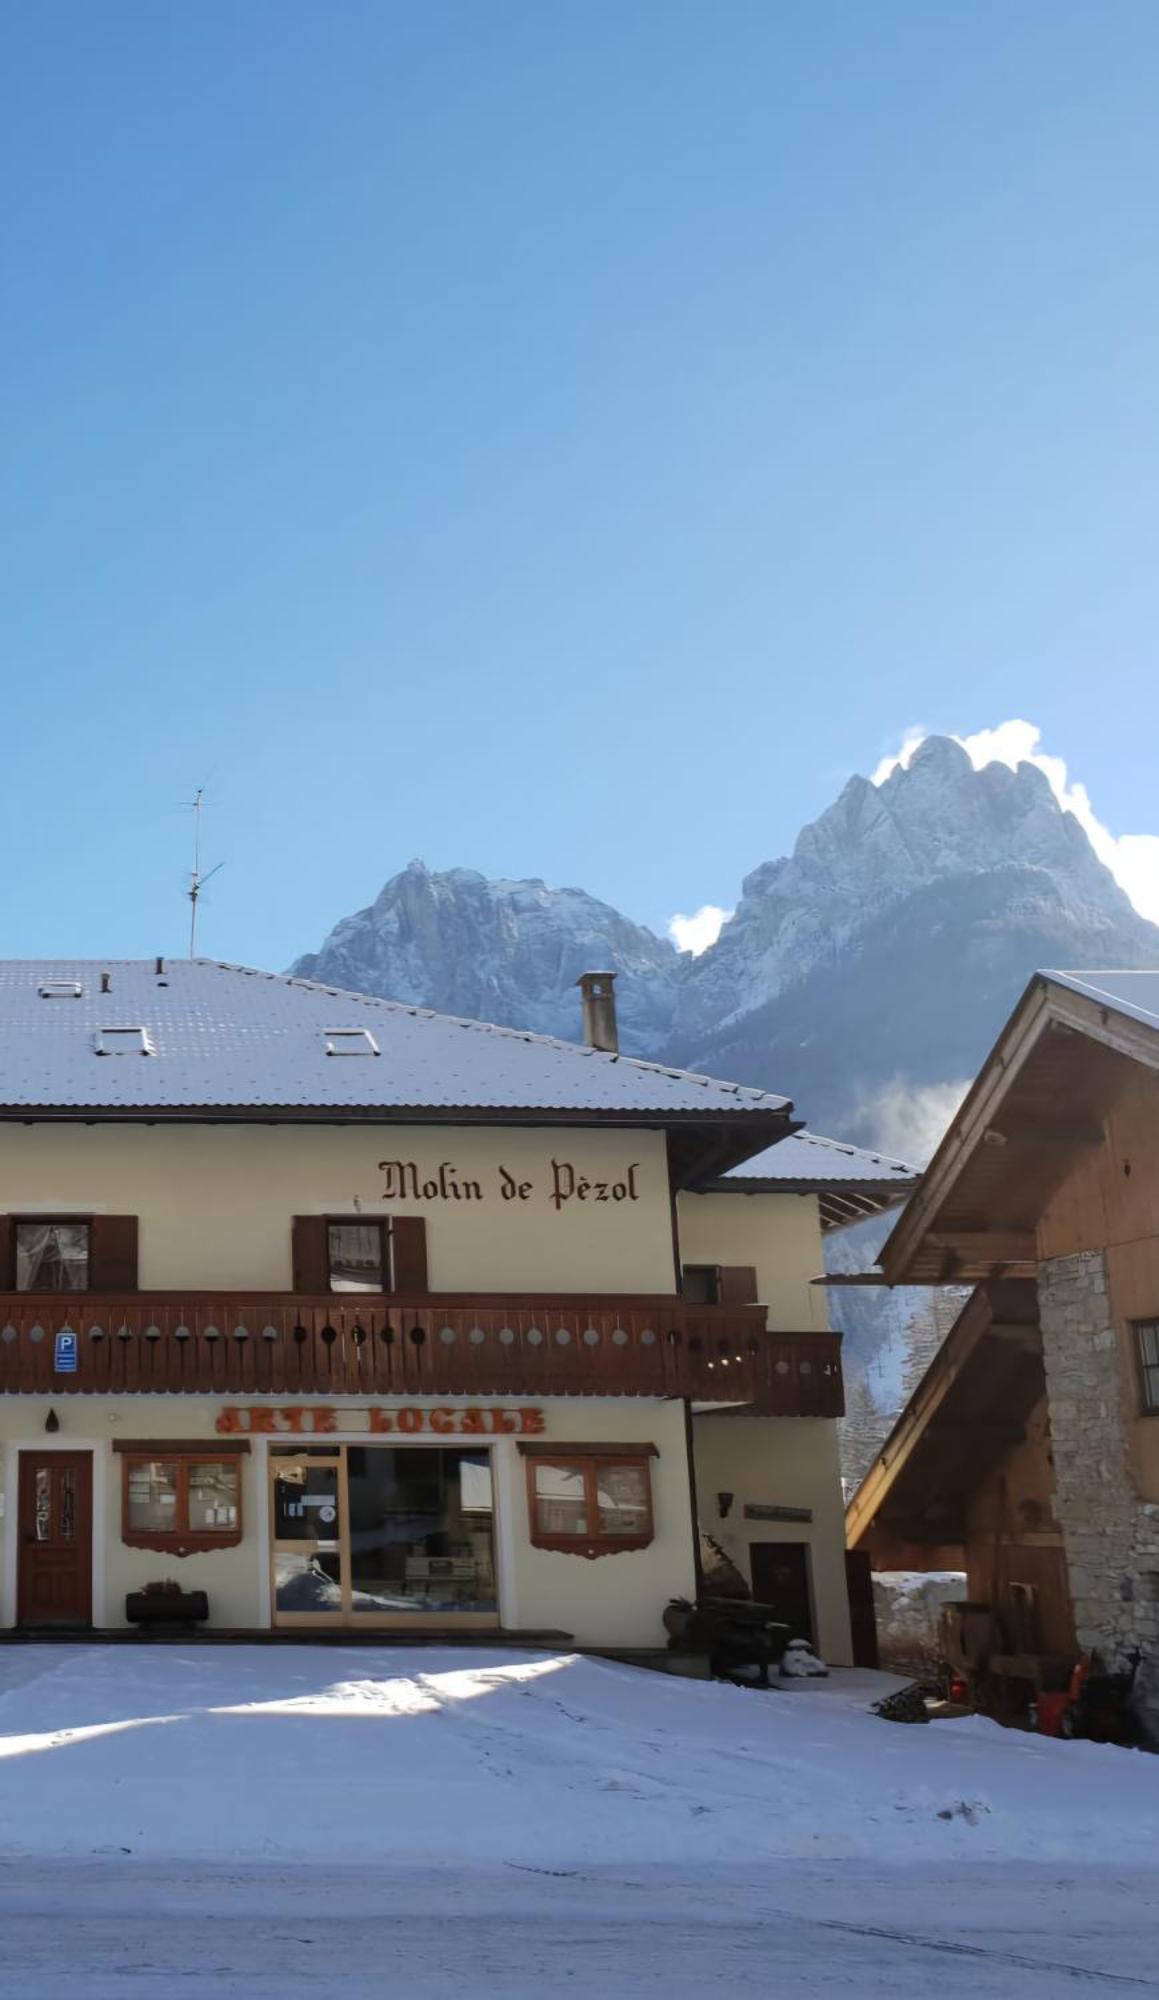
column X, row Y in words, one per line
column 719, row 1284
column 1147, row 1340
column 359, row 1256
column 360, row 1253
column 52, row 1256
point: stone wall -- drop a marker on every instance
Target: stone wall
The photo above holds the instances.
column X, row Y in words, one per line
column 1111, row 1536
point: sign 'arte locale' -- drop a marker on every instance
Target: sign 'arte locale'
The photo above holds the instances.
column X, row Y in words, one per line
column 407, row 1419
column 405, row 1180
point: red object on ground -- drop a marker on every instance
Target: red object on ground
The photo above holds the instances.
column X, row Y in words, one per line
column 1050, row 1712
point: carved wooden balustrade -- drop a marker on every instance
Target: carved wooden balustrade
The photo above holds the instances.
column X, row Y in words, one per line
column 231, row 1344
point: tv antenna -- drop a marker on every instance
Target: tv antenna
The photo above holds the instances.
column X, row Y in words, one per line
column 197, row 880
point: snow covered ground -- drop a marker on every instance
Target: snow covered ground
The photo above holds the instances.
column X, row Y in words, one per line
column 485, row 1822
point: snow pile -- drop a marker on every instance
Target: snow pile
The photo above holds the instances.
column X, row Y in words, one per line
column 489, row 1757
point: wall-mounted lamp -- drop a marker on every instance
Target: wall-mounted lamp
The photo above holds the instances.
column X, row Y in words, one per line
column 52, row 1421
column 724, row 1505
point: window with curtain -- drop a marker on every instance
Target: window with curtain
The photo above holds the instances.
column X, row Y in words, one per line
column 358, row 1256
column 52, row 1256
column 590, row 1505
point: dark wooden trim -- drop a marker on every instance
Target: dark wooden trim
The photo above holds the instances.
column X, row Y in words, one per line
column 693, row 1497
column 541, row 1448
column 310, row 1253
column 408, row 1252
column 194, row 1447
column 738, row 1285
column 588, row 1460
column 181, row 1540
column 258, row 1346
column 113, row 1253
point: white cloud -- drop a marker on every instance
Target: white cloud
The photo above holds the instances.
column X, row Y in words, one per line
column 910, row 1120
column 696, row 933
column 1133, row 858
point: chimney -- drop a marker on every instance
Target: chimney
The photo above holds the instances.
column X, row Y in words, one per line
column 600, row 1032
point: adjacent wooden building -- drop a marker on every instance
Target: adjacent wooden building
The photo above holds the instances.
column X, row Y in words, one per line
column 1029, row 1454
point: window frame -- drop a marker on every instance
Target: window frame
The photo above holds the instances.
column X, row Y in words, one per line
column 17, row 1222
column 1143, row 1367
column 590, row 1461
column 181, row 1540
column 383, row 1225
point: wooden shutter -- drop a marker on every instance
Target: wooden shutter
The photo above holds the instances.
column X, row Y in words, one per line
column 311, row 1253
column 408, row 1253
column 738, row 1285
column 113, row 1253
column 7, row 1254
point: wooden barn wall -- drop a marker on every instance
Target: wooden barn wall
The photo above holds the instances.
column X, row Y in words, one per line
column 1013, row 1537
column 1111, row 1195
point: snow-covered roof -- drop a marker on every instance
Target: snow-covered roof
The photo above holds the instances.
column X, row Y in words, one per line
column 850, row 1182
column 209, row 1036
column 1135, row 994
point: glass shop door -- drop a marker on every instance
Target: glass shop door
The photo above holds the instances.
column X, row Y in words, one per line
column 308, row 1531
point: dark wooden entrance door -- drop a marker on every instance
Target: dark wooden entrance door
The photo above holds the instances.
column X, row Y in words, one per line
column 862, row 1613
column 781, row 1578
column 55, row 1522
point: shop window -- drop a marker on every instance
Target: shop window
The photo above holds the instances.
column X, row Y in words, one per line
column 181, row 1502
column 1147, row 1344
column 590, row 1503
column 52, row 1256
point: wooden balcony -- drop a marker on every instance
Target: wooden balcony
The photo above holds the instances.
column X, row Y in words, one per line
column 243, row 1344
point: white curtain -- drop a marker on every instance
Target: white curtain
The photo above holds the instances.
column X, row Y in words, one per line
column 52, row 1256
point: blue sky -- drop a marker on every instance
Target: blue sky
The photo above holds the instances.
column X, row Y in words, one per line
column 564, row 440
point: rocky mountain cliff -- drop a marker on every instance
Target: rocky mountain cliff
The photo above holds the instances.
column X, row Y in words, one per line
column 509, row 952
column 864, row 975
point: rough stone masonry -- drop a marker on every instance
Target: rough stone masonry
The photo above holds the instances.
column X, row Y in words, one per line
column 1110, row 1535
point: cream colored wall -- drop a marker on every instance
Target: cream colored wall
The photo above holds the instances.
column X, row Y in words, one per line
column 781, row 1462
column 614, row 1600
column 215, row 1202
column 778, row 1234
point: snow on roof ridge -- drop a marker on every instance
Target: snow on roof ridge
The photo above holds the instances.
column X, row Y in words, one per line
column 747, row 1091
column 856, row 1152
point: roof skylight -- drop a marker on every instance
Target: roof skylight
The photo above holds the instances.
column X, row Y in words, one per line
column 123, row 1042
column 351, row 1042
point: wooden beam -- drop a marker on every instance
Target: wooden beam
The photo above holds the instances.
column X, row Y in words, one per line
column 988, row 1246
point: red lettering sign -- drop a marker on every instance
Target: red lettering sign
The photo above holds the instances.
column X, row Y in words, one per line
column 268, row 1420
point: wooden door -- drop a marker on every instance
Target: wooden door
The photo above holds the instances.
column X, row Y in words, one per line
column 55, row 1526
column 862, row 1612
column 780, row 1573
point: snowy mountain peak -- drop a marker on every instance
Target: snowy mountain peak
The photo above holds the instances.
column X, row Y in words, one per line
column 505, row 951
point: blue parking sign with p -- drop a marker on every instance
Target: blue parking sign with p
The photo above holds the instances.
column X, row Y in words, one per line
column 64, row 1360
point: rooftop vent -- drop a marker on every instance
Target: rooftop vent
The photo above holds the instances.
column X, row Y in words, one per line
column 60, row 989
column 123, row 1042
column 351, row 1042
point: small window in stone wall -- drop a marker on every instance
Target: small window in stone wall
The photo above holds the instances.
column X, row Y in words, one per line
column 1147, row 1340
